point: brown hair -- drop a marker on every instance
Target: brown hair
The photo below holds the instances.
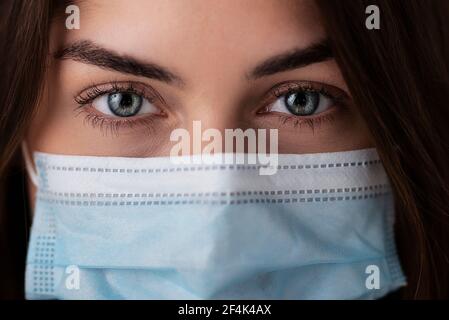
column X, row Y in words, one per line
column 398, row 76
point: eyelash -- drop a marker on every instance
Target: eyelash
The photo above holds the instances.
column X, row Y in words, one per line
column 337, row 96
column 85, row 98
column 89, row 95
column 95, row 119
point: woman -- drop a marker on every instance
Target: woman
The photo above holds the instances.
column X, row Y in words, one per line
column 133, row 73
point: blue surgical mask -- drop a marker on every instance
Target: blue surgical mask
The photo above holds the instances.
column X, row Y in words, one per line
column 321, row 227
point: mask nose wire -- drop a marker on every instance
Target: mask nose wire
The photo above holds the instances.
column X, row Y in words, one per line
column 29, row 164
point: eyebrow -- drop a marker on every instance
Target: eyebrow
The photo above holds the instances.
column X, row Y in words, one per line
column 88, row 52
column 294, row 59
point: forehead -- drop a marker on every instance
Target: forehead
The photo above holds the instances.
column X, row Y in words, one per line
column 237, row 33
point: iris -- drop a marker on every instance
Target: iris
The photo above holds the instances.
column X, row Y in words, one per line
column 302, row 103
column 124, row 104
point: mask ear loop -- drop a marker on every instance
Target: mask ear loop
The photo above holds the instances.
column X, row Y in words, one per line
column 29, row 164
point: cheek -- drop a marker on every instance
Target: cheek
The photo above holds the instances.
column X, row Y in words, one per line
column 345, row 130
column 55, row 128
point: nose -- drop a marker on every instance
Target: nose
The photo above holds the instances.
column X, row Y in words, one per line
column 215, row 109
column 207, row 122
column 209, row 111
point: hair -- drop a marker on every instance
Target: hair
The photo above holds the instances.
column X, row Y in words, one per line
column 398, row 77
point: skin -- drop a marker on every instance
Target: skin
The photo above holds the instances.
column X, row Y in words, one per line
column 211, row 46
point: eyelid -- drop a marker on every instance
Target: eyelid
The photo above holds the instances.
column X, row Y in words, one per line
column 88, row 95
column 114, row 124
column 339, row 96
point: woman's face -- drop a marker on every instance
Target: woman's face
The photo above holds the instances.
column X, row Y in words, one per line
column 137, row 70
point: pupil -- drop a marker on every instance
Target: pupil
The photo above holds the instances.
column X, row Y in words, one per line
column 301, row 99
column 126, row 101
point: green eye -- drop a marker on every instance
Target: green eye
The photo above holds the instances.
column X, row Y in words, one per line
column 124, row 104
